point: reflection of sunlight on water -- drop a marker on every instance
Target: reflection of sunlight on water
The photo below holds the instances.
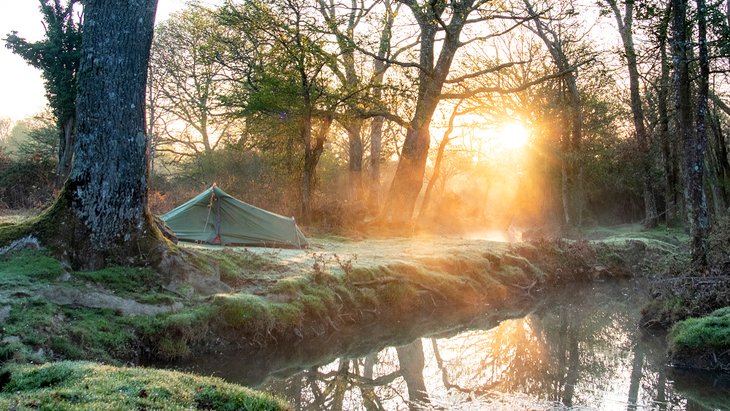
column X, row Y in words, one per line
column 571, row 353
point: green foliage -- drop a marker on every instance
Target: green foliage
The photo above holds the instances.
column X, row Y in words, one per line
column 33, row 137
column 85, row 385
column 57, row 56
column 253, row 176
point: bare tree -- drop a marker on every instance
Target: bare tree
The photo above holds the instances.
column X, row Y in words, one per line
column 447, row 19
column 554, row 38
column 187, row 81
column 625, row 22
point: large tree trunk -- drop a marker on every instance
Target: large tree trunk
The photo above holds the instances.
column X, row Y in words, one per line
column 107, row 188
column 412, row 363
column 408, row 179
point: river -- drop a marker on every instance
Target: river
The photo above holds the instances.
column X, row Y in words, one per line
column 578, row 348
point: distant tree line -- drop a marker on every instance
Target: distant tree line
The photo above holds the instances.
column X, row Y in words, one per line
column 296, row 94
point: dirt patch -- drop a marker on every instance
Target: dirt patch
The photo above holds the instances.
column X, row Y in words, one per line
column 84, row 298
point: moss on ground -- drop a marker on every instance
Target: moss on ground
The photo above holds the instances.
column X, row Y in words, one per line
column 702, row 342
column 663, row 234
column 92, row 386
column 34, row 329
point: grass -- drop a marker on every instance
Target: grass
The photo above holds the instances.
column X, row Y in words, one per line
column 8, row 217
column 26, row 267
column 273, row 300
column 86, row 386
column 37, row 330
column 667, row 239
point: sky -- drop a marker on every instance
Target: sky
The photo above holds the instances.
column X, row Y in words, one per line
column 21, row 86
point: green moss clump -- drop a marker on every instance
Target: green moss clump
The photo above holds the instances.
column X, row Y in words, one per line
column 243, row 310
column 84, row 385
column 709, row 332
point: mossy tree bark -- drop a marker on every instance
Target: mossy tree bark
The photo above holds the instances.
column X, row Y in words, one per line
column 102, row 214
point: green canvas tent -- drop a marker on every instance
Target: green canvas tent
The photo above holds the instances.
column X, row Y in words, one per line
column 215, row 217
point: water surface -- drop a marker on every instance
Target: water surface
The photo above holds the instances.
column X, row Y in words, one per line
column 575, row 349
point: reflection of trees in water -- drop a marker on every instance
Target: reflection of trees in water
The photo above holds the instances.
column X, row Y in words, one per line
column 386, row 380
column 569, row 353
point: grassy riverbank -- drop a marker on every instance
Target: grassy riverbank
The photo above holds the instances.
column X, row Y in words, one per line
column 226, row 298
column 89, row 386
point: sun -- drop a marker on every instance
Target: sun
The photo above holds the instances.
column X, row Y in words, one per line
column 513, row 135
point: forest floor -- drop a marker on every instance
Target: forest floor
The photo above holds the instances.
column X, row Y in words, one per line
column 229, row 298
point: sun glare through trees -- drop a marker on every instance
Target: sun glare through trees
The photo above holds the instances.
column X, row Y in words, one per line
column 513, row 135
column 419, row 167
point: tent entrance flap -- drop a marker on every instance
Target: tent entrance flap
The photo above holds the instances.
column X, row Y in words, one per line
column 215, row 217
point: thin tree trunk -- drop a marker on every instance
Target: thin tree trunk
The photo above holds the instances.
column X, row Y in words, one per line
column 668, row 152
column 65, row 151
column 571, row 169
column 565, row 192
column 722, row 163
column 437, row 163
column 695, row 150
column 312, row 153
column 355, row 160
column 635, row 380
column 376, row 126
column 573, row 372
column 376, row 141
column 625, row 24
